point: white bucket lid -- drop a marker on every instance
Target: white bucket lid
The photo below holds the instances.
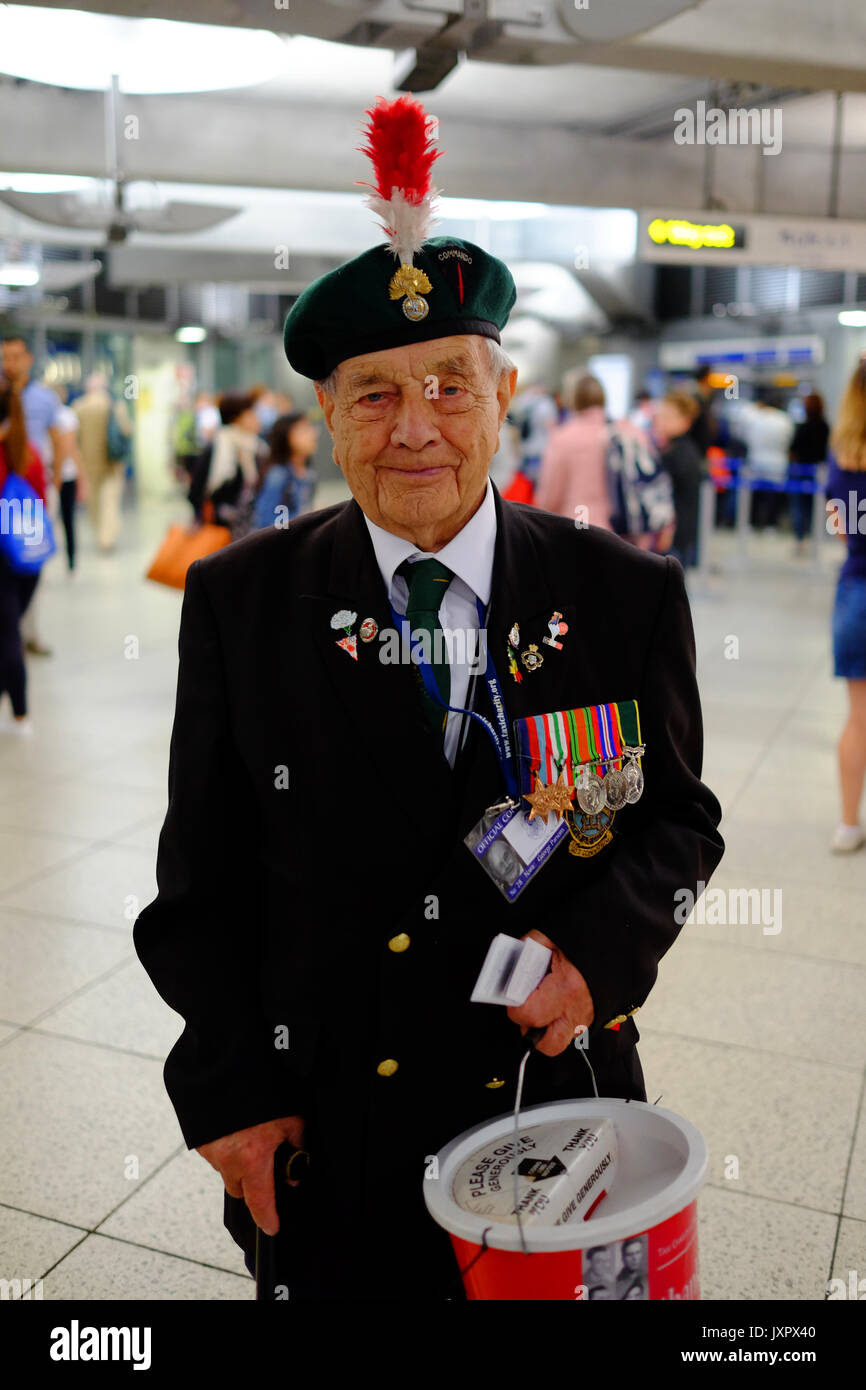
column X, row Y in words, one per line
column 661, row 1168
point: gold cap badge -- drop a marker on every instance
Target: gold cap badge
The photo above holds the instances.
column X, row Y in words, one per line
column 412, row 282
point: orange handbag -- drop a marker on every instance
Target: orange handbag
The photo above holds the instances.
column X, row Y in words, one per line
column 181, row 547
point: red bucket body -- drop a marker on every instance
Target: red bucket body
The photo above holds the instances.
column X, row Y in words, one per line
column 671, row 1270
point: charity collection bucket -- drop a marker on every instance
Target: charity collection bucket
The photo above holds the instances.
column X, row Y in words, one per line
column 639, row 1241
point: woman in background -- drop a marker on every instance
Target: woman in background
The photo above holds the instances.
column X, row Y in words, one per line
column 767, row 431
column 290, row 481
column 17, row 455
column 846, row 501
column 573, row 477
column 233, row 474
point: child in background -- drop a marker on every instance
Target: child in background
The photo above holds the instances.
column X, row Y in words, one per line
column 289, row 482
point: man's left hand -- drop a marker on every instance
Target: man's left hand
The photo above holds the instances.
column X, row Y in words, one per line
column 560, row 1003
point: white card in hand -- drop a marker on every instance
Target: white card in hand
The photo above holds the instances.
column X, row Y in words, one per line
column 512, row 969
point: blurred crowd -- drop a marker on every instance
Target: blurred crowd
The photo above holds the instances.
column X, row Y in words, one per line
column 52, row 455
column 641, row 476
column 245, row 458
column 244, row 461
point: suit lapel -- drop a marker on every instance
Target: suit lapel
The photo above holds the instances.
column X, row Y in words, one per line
column 523, row 591
column 377, row 705
column 380, row 712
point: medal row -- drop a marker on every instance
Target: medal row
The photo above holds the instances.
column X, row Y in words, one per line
column 594, row 793
column 617, row 788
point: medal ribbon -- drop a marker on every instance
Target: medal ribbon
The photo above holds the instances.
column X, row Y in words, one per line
column 500, row 735
column 594, row 735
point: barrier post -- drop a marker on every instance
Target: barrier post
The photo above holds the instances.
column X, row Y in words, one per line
column 706, row 518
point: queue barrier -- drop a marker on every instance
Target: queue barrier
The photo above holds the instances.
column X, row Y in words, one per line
column 743, row 481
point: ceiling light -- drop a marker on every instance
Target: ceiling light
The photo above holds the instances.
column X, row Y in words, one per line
column 72, row 48
column 853, row 318
column 19, row 274
column 45, row 183
column 465, row 209
column 191, row 333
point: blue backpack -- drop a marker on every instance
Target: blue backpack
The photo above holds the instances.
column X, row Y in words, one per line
column 26, row 533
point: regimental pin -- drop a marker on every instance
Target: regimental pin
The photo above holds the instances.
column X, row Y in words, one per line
column 557, row 629
column 368, row 629
column 532, row 658
column 346, row 620
column 513, row 645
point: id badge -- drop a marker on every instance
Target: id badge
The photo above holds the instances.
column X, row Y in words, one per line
column 511, row 848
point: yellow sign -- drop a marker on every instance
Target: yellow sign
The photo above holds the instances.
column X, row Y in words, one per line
column 676, row 231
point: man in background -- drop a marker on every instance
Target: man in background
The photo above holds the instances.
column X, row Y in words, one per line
column 104, row 474
column 704, row 426
column 683, row 461
column 767, row 432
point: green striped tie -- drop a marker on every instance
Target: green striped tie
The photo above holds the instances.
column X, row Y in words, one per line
column 428, row 581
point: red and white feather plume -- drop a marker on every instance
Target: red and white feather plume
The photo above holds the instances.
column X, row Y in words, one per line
column 402, row 150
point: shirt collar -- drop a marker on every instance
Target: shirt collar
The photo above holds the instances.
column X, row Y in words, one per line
column 469, row 554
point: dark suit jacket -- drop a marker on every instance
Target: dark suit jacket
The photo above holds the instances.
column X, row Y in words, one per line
column 277, row 903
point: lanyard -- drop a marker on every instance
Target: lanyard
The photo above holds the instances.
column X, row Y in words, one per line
column 500, row 735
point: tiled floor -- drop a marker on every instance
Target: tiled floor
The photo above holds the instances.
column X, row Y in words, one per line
column 758, row 1036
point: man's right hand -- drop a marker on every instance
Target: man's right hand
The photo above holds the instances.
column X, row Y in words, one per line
column 245, row 1162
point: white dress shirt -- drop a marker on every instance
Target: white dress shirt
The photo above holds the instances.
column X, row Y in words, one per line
column 470, row 556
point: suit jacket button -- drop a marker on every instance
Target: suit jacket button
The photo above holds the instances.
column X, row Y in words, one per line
column 388, row 1067
column 494, row 1084
column 399, row 943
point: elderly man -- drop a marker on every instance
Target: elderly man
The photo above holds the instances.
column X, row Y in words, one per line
column 321, row 918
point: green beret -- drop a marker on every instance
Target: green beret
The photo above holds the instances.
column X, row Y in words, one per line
column 372, row 303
